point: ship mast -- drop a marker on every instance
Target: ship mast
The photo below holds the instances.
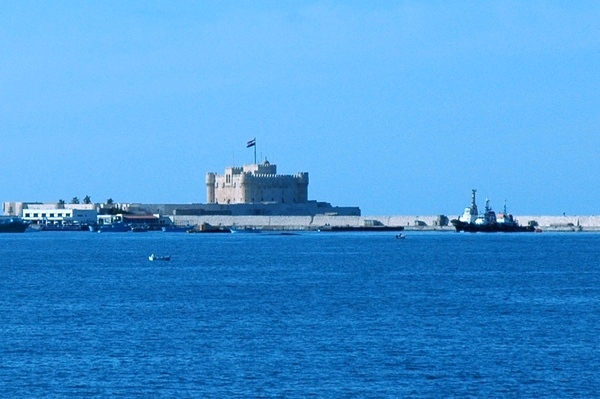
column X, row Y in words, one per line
column 473, row 204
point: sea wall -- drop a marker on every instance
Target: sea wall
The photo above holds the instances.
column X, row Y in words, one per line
column 409, row 222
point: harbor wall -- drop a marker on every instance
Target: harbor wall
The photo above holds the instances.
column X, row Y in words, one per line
column 409, row 222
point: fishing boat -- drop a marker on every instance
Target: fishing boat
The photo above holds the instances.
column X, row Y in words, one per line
column 176, row 229
column 153, row 258
column 244, row 229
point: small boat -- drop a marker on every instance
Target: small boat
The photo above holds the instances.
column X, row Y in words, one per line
column 153, row 257
column 374, row 228
column 400, row 236
column 208, row 228
column 244, row 229
column 176, row 229
column 118, row 227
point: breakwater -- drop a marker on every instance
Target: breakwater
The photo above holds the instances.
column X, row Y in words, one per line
column 409, row 222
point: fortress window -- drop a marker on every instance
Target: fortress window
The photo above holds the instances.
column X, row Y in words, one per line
column 27, row 215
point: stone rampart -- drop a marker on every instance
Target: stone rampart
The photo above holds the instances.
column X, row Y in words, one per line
column 412, row 222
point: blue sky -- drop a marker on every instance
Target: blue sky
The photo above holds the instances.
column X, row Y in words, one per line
column 397, row 107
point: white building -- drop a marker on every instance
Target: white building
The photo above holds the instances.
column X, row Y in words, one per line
column 51, row 213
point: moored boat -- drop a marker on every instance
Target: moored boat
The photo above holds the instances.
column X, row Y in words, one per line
column 487, row 222
column 176, row 229
column 118, row 227
column 328, row 228
column 244, row 229
column 12, row 225
column 208, row 228
column 64, row 227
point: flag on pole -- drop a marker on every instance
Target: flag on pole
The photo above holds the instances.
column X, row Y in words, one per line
column 251, row 143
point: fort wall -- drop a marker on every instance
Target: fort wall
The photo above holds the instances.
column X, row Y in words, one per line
column 409, row 222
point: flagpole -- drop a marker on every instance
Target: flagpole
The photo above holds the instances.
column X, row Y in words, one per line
column 252, row 143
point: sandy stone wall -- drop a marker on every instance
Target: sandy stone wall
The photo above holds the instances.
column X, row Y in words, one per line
column 558, row 223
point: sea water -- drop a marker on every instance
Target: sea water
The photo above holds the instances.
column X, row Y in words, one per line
column 323, row 315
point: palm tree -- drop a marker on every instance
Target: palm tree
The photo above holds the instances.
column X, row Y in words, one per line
column 75, row 200
column 109, row 201
column 61, row 204
column 87, row 200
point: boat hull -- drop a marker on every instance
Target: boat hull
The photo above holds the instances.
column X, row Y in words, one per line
column 68, row 227
column 176, row 229
column 154, row 258
column 112, row 228
column 491, row 227
column 13, row 226
column 244, row 230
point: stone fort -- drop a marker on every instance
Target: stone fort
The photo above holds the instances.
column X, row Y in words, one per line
column 256, row 183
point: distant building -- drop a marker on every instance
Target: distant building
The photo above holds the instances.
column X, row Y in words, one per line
column 257, row 189
column 58, row 214
column 256, row 183
column 139, row 219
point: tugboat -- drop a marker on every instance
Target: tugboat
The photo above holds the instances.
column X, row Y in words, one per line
column 487, row 222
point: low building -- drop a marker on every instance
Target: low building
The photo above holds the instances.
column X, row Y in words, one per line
column 147, row 220
column 51, row 215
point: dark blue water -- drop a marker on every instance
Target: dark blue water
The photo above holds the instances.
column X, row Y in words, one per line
column 321, row 315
